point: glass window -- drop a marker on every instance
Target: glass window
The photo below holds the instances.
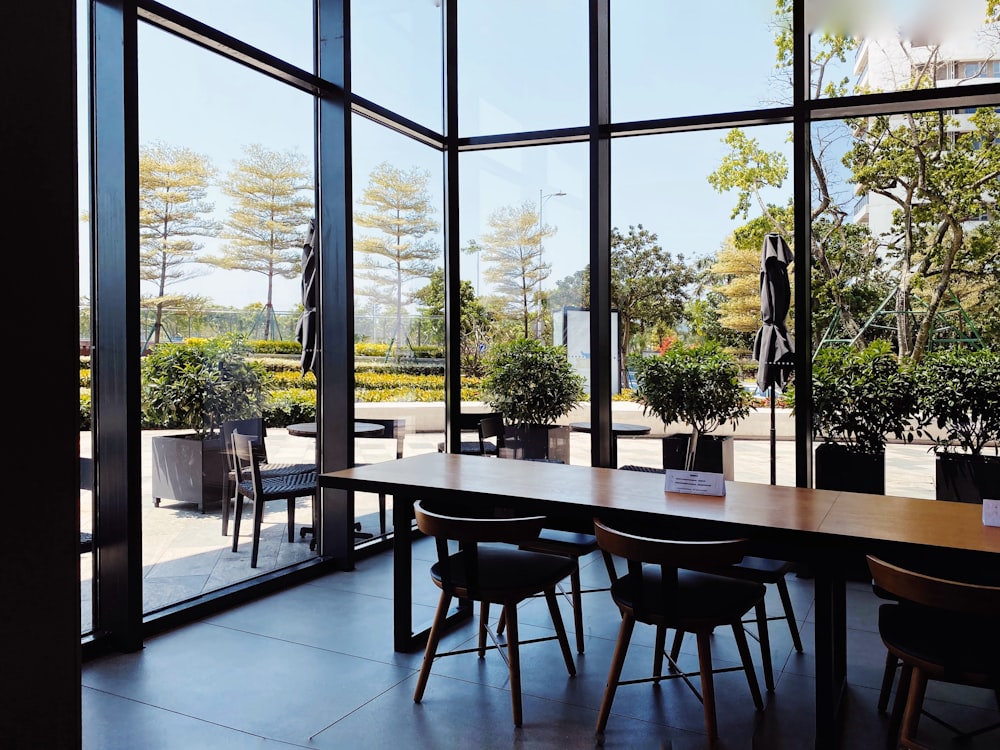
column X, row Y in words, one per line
column 407, row 81
column 714, row 56
column 692, row 228
column 524, row 236
column 226, row 191
column 521, row 66
column 281, row 29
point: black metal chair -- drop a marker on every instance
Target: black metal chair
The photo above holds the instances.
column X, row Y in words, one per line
column 479, row 447
column 259, row 491
column 257, row 430
column 391, row 429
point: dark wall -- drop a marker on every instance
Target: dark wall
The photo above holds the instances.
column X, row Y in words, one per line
column 39, row 569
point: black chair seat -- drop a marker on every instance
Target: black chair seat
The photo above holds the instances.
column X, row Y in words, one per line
column 761, row 569
column 280, row 484
column 958, row 645
column 506, row 570
column 471, row 448
column 701, row 597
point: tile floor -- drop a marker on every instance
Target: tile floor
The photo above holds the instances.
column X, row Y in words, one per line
column 313, row 667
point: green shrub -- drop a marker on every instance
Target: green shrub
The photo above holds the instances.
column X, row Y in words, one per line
column 289, row 406
column 267, row 346
column 85, row 420
column 200, row 383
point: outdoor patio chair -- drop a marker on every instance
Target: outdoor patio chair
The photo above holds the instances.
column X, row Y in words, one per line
column 759, row 570
column 257, row 430
column 495, row 571
column 666, row 587
column 260, row 491
column 479, row 447
column 938, row 629
column 392, row 429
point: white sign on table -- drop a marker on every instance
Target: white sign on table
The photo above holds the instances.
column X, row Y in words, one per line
column 695, row 482
column 991, row 512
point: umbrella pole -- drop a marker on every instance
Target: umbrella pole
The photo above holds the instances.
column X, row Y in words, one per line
column 774, row 468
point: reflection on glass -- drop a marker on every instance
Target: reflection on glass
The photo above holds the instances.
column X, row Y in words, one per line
column 686, row 251
column 902, row 257
column 525, row 253
column 719, row 58
column 225, row 199
column 281, row 29
column 522, row 66
column 396, row 57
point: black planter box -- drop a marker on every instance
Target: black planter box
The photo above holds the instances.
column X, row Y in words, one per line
column 188, row 469
column 714, row 453
column 966, row 479
column 837, row 468
column 537, row 442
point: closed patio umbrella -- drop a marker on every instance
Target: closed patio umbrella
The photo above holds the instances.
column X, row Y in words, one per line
column 773, row 347
column 305, row 330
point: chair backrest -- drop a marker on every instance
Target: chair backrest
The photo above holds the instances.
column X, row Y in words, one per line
column 391, row 428
column 469, row 421
column 444, row 523
column 675, row 553
column 253, row 427
column 938, row 593
column 247, row 459
column 491, row 427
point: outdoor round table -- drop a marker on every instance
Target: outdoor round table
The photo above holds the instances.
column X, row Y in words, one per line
column 361, row 429
column 617, row 429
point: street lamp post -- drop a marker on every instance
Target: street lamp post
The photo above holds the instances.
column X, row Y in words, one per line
column 541, row 227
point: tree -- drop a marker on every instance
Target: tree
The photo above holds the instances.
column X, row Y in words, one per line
column 939, row 178
column 513, row 254
column 172, row 213
column 400, row 209
column 475, row 318
column 273, row 195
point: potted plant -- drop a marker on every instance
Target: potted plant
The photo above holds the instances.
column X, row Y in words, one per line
column 860, row 397
column 959, row 395
column 532, row 384
column 196, row 385
column 699, row 386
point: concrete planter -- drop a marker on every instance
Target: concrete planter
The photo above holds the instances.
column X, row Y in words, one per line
column 187, row 469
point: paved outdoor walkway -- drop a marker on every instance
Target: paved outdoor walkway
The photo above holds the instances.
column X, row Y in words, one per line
column 184, row 553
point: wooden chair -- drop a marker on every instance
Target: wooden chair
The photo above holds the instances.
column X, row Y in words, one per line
column 938, row 629
column 497, row 572
column 478, row 447
column 391, row 429
column 672, row 591
column 255, row 428
column 259, row 491
column 759, row 570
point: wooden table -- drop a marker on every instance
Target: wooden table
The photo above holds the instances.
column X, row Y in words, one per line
column 823, row 528
column 361, row 429
column 617, row 429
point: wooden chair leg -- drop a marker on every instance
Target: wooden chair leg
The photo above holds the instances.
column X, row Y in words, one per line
column 896, row 717
column 786, row 603
column 514, row 661
column 433, row 638
column 888, row 676
column 658, row 649
column 765, row 645
column 557, row 623
column 914, row 704
column 617, row 662
column 741, row 644
column 236, row 520
column 258, row 519
column 708, row 682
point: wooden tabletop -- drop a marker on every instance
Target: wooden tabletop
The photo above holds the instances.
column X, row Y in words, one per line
column 747, row 504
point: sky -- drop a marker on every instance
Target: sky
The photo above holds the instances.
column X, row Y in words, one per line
column 523, row 69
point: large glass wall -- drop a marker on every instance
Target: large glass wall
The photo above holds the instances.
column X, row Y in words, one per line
column 706, row 169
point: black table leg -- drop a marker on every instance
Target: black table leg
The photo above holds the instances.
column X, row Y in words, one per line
column 831, row 654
